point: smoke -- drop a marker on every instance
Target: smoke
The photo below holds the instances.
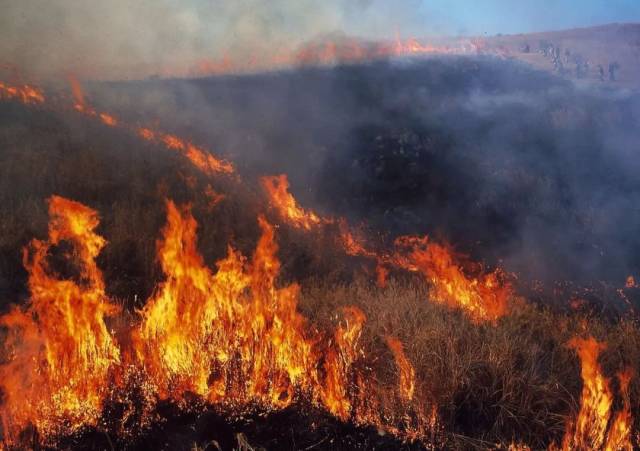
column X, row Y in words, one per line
column 514, row 166
column 122, row 39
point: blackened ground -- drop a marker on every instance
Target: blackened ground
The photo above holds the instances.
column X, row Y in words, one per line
column 296, row 428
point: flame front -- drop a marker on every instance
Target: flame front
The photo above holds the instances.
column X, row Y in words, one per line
column 484, row 297
column 60, row 350
column 232, row 337
column 24, row 93
column 229, row 336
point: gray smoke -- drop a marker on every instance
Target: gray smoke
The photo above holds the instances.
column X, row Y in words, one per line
column 123, row 39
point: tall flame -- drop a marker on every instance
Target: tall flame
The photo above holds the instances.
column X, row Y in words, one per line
column 620, row 431
column 232, row 337
column 407, row 375
column 592, row 428
column 234, row 324
column 60, row 350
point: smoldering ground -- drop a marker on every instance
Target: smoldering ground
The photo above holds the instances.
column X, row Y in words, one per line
column 513, row 166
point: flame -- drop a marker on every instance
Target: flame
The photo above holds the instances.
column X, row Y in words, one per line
column 232, row 337
column 204, row 160
column 344, row 51
column 483, row 297
column 199, row 157
column 592, row 428
column 78, row 94
column 407, row 375
column 631, row 282
column 619, row 437
column 213, row 196
column 595, row 408
column 26, row 94
column 277, row 188
column 235, row 324
column 339, row 360
column 61, row 351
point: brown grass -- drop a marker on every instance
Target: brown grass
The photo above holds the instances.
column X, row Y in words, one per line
column 515, row 381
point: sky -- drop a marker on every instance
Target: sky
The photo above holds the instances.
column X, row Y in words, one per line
column 118, row 36
column 478, row 17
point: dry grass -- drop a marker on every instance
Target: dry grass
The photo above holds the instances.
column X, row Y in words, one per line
column 515, row 381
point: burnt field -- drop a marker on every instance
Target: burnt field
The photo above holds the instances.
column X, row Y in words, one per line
column 449, row 263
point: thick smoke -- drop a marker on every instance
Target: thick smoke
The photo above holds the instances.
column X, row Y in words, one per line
column 514, row 166
column 123, row 39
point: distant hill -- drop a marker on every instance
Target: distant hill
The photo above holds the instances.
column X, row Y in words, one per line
column 578, row 53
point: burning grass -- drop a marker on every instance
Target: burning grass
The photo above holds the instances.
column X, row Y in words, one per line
column 234, row 342
column 237, row 347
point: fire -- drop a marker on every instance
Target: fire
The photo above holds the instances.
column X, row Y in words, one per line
column 24, row 93
column 204, row 160
column 60, row 351
column 339, row 360
column 484, row 297
column 234, row 321
column 277, row 188
column 232, row 337
column 592, row 429
column 344, row 51
column 108, row 119
column 407, row 378
column 620, row 431
column 199, row 157
column 78, row 93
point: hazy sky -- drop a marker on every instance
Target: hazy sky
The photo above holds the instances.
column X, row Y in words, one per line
column 80, row 36
column 522, row 16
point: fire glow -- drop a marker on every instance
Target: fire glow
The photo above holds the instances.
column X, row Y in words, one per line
column 484, row 296
column 231, row 336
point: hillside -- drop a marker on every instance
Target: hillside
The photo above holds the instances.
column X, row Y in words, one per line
column 579, row 53
column 448, row 269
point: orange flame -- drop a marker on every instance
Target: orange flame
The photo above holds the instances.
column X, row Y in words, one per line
column 591, row 429
column 60, row 348
column 24, row 93
column 407, row 377
column 277, row 188
column 484, row 297
column 619, row 437
column 232, row 337
column 255, row 338
column 344, row 51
